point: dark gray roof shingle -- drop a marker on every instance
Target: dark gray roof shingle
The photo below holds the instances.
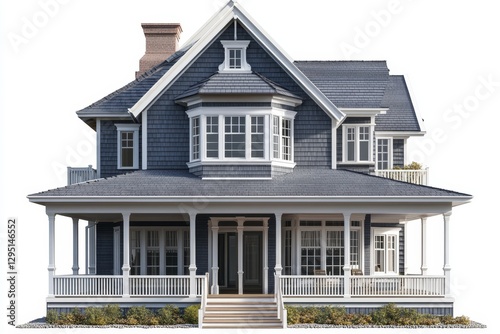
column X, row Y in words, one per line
column 303, row 182
column 236, row 83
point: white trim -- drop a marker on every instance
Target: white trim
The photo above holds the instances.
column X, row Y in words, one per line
column 98, row 149
column 390, row 152
column 144, row 128
column 356, row 128
column 363, row 112
column 386, row 231
column 127, row 128
column 235, row 45
column 399, row 134
column 207, row 33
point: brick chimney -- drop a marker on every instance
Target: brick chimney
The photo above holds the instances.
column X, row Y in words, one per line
column 162, row 40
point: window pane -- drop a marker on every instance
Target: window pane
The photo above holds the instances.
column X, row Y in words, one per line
column 186, row 253
column 212, row 137
column 257, row 129
column 127, row 149
column 196, row 138
column 171, row 262
column 364, row 143
column 351, row 142
column 276, row 137
column 310, row 252
column 379, row 253
column 335, row 252
column 383, row 154
column 135, row 253
column 153, row 253
column 234, row 137
column 286, row 139
column 235, row 58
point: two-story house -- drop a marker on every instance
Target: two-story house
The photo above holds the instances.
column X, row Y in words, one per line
column 228, row 169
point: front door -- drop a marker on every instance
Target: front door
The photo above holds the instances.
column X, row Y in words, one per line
column 228, row 262
column 252, row 262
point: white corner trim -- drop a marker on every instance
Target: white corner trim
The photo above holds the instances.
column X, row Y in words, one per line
column 98, row 149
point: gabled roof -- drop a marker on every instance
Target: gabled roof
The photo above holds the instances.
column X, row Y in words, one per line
column 236, row 83
column 205, row 36
column 350, row 84
column 303, row 183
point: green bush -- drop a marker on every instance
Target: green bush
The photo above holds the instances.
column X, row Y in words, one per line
column 169, row 315
column 191, row 314
column 95, row 316
column 113, row 314
column 140, row 315
column 52, row 317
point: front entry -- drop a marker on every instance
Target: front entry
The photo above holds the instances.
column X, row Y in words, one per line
column 239, row 255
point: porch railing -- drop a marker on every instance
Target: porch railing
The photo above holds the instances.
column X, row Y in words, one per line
column 406, row 286
column 363, row 286
column 108, row 286
column 81, row 174
column 416, row 176
column 81, row 286
column 312, row 285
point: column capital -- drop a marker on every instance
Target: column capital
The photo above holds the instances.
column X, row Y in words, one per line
column 447, row 214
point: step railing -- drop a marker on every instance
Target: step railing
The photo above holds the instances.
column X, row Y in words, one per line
column 280, row 305
column 204, row 298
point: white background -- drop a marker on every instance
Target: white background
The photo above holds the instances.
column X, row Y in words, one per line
column 59, row 56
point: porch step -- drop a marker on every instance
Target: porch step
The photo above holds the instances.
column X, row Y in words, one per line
column 237, row 311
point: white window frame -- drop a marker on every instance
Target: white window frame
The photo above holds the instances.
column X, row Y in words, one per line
column 377, row 231
column 357, row 141
column 134, row 128
column 162, row 247
column 297, row 229
column 390, row 152
column 248, row 112
column 236, row 45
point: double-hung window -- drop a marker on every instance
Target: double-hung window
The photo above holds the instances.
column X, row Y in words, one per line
column 128, row 146
column 234, row 137
column 357, row 143
column 385, row 253
column 384, row 153
column 282, row 138
column 257, row 136
column 212, row 136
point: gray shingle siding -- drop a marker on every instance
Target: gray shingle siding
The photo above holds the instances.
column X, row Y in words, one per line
column 104, row 248
column 109, row 149
column 168, row 124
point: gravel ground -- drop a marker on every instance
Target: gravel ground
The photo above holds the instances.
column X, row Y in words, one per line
column 40, row 323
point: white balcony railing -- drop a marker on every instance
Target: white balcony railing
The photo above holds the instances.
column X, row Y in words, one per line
column 416, row 176
column 404, row 286
column 81, row 174
column 363, row 286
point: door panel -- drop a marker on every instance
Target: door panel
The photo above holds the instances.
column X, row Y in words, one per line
column 252, row 261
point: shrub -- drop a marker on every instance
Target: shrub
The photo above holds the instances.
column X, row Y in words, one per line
column 113, row 314
column 191, row 314
column 95, row 316
column 75, row 317
column 169, row 315
column 140, row 315
column 52, row 317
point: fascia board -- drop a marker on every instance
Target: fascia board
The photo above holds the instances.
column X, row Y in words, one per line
column 210, row 32
column 286, row 61
column 400, row 133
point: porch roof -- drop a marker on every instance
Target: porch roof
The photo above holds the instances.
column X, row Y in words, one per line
column 311, row 183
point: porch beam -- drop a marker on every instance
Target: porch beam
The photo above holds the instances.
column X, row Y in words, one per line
column 126, row 254
column 192, row 255
column 447, row 266
column 76, row 267
column 423, row 267
column 347, row 254
column 52, row 252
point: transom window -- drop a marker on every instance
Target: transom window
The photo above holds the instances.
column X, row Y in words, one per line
column 357, row 143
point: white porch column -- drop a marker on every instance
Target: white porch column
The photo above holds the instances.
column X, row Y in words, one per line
column 446, row 266
column 215, row 258
column 347, row 254
column 192, row 255
column 76, row 266
column 126, row 254
column 91, row 245
column 278, row 267
column 265, row 254
column 52, row 252
column 240, row 255
column 423, row 267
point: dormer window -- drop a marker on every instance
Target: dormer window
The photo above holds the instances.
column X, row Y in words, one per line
column 235, row 57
